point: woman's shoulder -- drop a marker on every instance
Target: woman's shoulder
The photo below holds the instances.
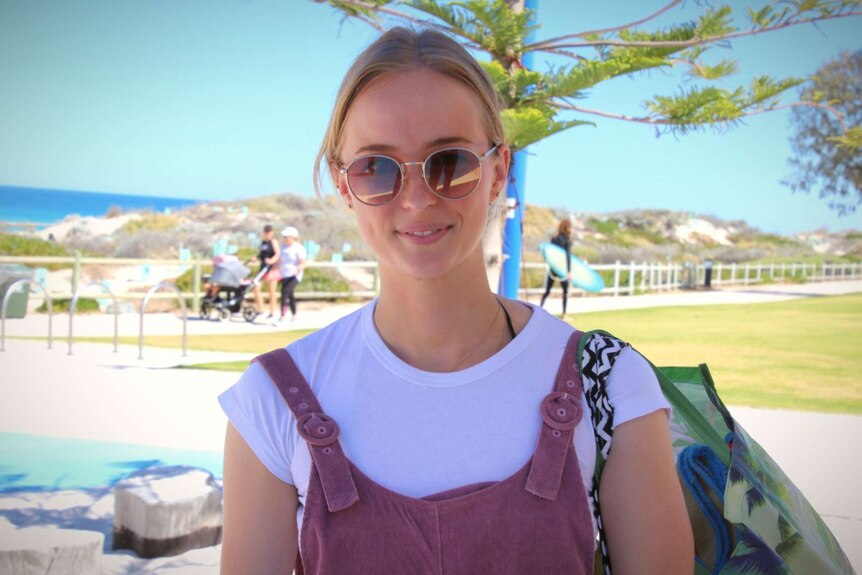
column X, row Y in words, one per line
column 255, row 387
column 538, row 325
column 331, row 342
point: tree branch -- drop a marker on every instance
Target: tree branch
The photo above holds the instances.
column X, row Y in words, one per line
column 604, row 30
column 664, row 121
column 834, row 111
column 544, row 46
column 359, row 4
column 691, row 63
column 612, row 116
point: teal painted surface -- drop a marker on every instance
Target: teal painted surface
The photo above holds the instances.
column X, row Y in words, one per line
column 37, row 463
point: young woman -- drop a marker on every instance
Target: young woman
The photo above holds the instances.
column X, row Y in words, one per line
column 291, row 264
column 268, row 257
column 422, row 433
column 564, row 240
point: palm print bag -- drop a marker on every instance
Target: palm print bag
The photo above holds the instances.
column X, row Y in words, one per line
column 746, row 515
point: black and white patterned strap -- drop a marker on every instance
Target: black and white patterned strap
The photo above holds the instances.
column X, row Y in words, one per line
column 599, row 355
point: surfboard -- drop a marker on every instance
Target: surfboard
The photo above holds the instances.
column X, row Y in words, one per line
column 581, row 275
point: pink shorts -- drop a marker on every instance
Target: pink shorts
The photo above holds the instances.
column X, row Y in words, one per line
column 274, row 274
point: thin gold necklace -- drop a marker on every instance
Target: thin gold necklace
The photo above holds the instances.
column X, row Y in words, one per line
column 484, row 337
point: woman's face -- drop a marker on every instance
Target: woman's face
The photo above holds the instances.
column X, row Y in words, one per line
column 407, row 116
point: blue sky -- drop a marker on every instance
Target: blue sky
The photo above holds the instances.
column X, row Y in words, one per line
column 224, row 99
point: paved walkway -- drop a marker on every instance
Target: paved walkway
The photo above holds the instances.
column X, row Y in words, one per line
column 316, row 315
column 96, row 394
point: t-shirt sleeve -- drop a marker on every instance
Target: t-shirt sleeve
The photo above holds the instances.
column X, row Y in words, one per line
column 633, row 389
column 260, row 415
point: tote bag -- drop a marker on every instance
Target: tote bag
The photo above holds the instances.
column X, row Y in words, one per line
column 747, row 516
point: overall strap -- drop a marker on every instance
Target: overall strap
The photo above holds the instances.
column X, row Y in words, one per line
column 561, row 412
column 315, row 427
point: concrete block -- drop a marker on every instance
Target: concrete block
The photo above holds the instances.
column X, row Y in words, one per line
column 49, row 551
column 161, row 511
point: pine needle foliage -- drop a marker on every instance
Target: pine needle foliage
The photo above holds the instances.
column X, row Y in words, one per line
column 539, row 104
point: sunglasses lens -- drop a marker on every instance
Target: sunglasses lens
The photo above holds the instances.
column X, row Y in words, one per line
column 374, row 180
column 453, row 173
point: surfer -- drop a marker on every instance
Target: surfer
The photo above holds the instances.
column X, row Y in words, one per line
column 563, row 239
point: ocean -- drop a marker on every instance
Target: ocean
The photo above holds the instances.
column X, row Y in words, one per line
column 44, row 206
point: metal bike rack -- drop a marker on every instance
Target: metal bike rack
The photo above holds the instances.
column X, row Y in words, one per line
column 149, row 293
column 75, row 303
column 12, row 288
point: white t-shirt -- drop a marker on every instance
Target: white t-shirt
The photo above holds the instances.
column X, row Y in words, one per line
column 417, row 432
column 291, row 257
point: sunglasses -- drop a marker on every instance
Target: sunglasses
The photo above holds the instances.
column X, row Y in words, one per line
column 451, row 174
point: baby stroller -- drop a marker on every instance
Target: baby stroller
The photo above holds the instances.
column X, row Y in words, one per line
column 226, row 289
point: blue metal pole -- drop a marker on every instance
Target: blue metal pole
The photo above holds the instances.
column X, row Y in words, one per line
column 510, row 278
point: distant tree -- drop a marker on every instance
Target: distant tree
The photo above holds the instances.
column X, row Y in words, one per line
column 826, row 157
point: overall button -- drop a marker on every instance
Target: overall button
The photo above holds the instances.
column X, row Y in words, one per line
column 317, row 429
column 561, row 410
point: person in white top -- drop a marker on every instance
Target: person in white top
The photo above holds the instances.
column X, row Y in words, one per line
column 437, row 383
column 292, row 264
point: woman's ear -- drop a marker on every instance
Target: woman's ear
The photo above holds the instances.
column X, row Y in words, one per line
column 341, row 185
column 501, row 171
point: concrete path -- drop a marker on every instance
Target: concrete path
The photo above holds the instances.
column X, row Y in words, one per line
column 316, row 315
column 96, row 394
column 820, row 454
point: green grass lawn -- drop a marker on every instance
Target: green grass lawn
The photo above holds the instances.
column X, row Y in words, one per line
column 237, row 343
column 802, row 354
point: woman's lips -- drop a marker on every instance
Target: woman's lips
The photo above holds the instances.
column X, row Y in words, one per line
column 424, row 234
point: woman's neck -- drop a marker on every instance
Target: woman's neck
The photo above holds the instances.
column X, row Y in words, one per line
column 440, row 324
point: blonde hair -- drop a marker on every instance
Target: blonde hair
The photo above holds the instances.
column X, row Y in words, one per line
column 400, row 50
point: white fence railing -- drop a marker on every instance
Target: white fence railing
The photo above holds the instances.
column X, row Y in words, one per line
column 642, row 277
column 78, row 262
column 620, row 278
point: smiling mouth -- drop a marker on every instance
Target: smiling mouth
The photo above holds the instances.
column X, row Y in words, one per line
column 425, row 233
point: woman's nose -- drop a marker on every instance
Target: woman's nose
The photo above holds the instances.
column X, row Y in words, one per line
column 414, row 192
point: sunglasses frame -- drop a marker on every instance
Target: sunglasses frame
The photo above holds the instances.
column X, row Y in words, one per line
column 402, row 167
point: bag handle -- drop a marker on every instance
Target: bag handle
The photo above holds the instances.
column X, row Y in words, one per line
column 679, row 402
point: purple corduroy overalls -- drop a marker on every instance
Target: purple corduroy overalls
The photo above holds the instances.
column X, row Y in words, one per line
column 535, row 521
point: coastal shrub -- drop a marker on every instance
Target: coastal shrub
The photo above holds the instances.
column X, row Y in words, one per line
column 91, row 246
column 18, row 245
column 84, row 305
column 151, row 222
column 314, row 279
column 605, row 227
column 532, row 278
column 539, row 225
column 247, row 254
column 185, row 282
column 147, row 244
column 323, row 279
